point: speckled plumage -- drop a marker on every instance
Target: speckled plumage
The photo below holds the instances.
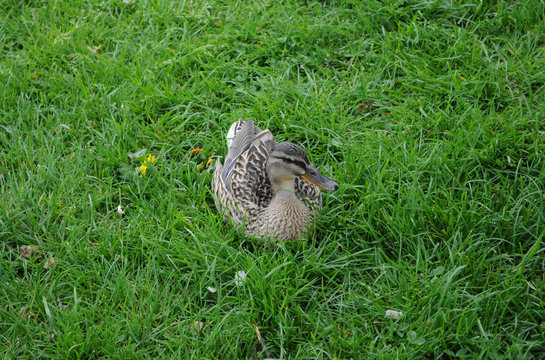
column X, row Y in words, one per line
column 244, row 193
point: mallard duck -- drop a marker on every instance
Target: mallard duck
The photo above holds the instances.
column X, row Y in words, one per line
column 269, row 190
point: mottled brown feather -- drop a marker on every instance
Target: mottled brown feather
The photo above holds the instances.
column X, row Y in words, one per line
column 245, row 196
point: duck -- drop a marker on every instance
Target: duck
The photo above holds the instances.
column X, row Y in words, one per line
column 267, row 189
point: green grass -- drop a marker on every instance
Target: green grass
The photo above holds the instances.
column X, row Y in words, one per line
column 429, row 114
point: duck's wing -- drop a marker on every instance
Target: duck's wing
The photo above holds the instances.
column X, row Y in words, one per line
column 222, row 197
column 242, row 184
column 240, row 136
column 248, row 178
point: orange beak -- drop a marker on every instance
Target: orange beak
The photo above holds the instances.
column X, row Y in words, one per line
column 314, row 177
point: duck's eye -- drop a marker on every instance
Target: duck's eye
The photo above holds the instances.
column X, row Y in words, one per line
column 297, row 163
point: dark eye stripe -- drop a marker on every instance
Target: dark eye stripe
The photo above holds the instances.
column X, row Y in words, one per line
column 298, row 163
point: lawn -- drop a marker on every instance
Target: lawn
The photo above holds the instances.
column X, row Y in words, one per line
column 428, row 113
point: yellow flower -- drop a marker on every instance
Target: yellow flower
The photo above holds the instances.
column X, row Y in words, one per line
column 143, row 169
column 150, row 159
column 203, row 165
column 195, row 151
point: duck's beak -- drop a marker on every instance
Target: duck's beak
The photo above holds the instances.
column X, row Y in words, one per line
column 313, row 176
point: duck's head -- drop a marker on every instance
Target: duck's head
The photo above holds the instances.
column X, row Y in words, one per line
column 288, row 161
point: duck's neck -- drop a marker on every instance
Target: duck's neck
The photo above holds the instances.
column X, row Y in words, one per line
column 284, row 188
